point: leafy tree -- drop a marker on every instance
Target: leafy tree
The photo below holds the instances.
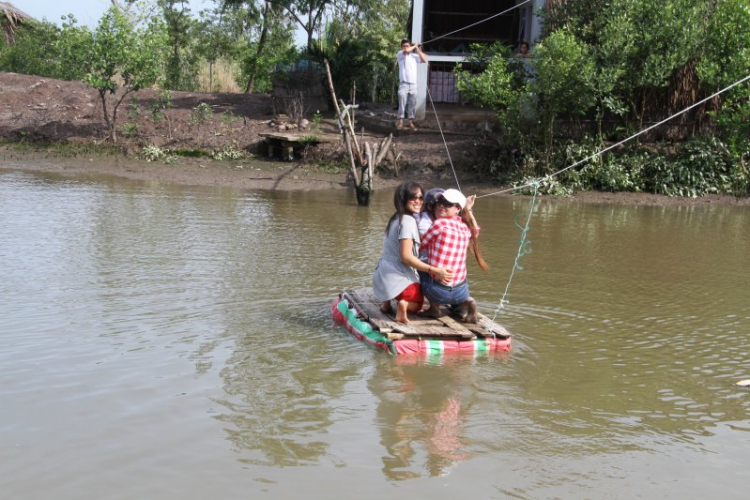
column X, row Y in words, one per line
column 640, row 48
column 74, row 49
column 254, row 61
column 490, row 77
column 124, row 53
column 182, row 61
column 308, row 13
column 268, row 39
column 726, row 47
column 34, row 51
column 582, row 17
column 215, row 38
column 380, row 24
column 44, row 49
column 347, row 58
column 564, row 74
column 726, row 59
column 267, row 35
column 257, row 67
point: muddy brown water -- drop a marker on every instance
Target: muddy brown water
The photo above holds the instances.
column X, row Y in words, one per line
column 159, row 341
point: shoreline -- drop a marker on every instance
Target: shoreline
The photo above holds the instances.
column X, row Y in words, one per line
column 291, row 176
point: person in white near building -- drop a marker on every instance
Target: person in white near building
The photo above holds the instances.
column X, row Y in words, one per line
column 408, row 57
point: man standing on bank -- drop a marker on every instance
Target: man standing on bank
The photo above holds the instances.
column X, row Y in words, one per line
column 408, row 57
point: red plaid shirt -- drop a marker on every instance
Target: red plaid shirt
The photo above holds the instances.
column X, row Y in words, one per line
column 446, row 242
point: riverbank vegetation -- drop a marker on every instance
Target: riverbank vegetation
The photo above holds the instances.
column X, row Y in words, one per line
column 607, row 70
column 602, row 72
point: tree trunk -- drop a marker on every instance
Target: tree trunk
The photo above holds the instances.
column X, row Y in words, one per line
column 261, row 48
column 110, row 125
column 310, row 31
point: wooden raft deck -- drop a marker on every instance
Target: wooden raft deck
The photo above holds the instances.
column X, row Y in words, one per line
column 285, row 145
column 447, row 326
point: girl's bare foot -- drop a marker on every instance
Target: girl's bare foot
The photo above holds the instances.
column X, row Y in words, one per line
column 385, row 307
column 401, row 309
column 404, row 320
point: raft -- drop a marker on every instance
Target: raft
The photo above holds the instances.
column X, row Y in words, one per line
column 359, row 311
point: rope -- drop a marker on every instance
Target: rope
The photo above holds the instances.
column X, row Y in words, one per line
column 523, row 249
column 477, row 23
column 445, row 143
column 599, row 153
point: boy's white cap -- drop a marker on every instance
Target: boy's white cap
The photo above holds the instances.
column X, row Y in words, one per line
column 455, row 196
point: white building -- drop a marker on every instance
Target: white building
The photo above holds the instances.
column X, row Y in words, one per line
column 439, row 26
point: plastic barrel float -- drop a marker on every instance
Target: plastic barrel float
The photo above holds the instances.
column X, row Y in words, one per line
column 359, row 310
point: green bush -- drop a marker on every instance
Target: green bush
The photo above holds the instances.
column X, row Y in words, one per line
column 696, row 168
column 154, row 153
column 228, row 153
column 44, row 49
column 129, row 129
column 701, row 166
column 201, row 113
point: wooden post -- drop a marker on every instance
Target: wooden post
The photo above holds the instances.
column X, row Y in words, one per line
column 355, row 174
column 350, row 127
column 352, row 166
column 362, row 188
column 385, row 146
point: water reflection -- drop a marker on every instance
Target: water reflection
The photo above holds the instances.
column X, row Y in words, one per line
column 422, row 409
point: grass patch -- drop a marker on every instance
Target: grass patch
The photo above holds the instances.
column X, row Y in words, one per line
column 191, row 153
column 331, row 167
column 72, row 149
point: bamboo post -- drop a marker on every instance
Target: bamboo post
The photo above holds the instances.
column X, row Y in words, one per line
column 330, row 87
column 355, row 174
column 350, row 126
column 362, row 186
column 385, row 146
column 370, row 170
column 353, row 165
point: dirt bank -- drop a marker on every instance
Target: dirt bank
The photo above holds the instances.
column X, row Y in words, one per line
column 42, row 109
column 295, row 176
column 36, row 109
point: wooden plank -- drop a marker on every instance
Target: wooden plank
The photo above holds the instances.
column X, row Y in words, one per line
column 300, row 138
column 430, row 327
column 420, row 326
column 457, row 327
column 491, row 329
column 369, row 305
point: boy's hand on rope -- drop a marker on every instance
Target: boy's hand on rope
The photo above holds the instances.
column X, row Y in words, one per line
column 470, row 201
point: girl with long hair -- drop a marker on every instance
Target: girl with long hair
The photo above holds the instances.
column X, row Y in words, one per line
column 396, row 276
